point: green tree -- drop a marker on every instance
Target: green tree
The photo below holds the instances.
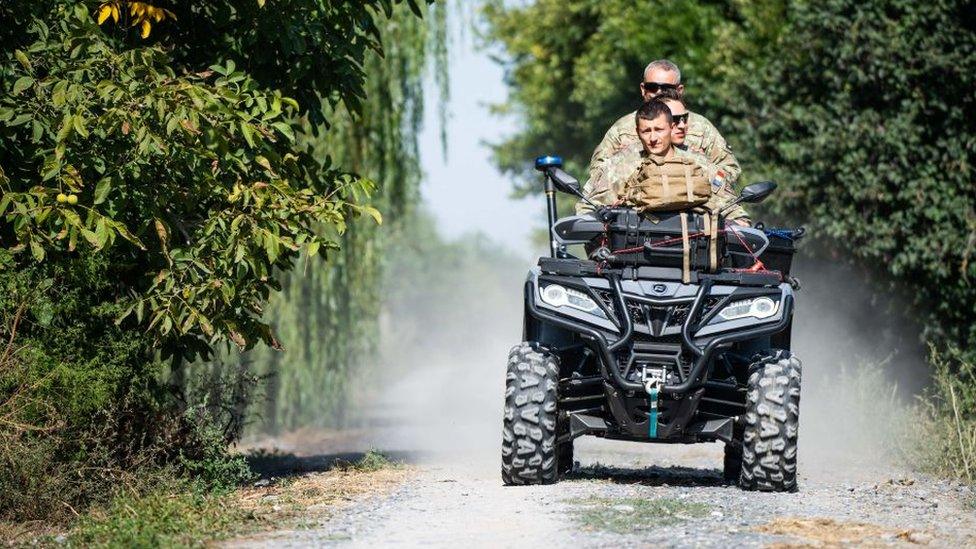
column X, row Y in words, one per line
column 154, row 190
column 866, row 114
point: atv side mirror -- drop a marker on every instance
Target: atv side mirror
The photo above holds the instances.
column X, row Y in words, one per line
column 757, row 192
column 564, row 182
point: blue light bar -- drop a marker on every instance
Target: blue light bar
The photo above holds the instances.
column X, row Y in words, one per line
column 542, row 163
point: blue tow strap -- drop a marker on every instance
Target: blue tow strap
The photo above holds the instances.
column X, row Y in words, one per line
column 652, row 405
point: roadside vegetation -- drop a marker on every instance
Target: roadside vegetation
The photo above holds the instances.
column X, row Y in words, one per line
column 863, row 112
column 162, row 509
column 164, row 167
column 948, row 410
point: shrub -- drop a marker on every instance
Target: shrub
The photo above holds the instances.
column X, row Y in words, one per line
column 947, row 442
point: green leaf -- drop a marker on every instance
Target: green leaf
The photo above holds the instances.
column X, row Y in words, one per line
column 79, row 125
column 101, row 233
column 372, row 212
column 20, row 120
column 102, row 189
column 128, row 311
column 37, row 250
column 248, row 133
column 72, row 218
column 22, row 58
column 92, row 238
column 67, row 123
column 271, row 247
column 22, row 84
column 263, row 162
column 52, row 167
column 124, row 231
column 285, row 130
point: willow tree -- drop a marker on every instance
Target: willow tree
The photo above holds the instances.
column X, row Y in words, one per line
column 326, row 318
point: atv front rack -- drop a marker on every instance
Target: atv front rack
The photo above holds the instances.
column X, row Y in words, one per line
column 693, row 322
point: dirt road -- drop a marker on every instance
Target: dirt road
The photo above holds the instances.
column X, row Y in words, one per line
column 626, row 494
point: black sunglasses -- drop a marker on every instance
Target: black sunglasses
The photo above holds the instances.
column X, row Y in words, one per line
column 654, row 87
column 679, row 118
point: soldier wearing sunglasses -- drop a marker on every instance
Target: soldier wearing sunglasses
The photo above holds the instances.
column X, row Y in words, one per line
column 662, row 77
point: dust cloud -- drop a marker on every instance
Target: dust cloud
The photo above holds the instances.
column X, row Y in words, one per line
column 863, row 363
column 447, row 331
column 445, row 336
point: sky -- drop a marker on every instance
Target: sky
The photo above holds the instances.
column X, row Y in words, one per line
column 465, row 192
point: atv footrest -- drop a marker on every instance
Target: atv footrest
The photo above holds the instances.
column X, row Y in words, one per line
column 582, row 424
column 714, row 429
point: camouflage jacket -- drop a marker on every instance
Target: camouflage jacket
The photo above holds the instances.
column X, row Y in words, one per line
column 702, row 138
column 607, row 187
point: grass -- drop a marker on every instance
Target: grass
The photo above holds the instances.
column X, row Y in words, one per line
column 947, row 426
column 631, row 515
column 371, row 461
column 173, row 512
column 178, row 515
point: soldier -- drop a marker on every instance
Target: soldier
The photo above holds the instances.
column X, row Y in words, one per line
column 663, row 76
column 712, row 166
column 654, row 126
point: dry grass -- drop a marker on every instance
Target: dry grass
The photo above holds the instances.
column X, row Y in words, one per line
column 828, row 533
column 315, row 497
column 947, row 420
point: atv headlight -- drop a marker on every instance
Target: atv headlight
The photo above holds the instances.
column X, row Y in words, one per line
column 759, row 307
column 559, row 296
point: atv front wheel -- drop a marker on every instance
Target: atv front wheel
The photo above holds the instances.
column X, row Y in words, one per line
column 529, row 425
column 769, row 443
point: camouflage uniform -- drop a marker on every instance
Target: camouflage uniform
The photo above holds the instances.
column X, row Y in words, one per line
column 702, row 138
column 722, row 191
column 607, row 185
column 607, row 182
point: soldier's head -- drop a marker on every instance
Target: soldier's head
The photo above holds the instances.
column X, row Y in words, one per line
column 679, row 115
column 654, row 127
column 660, row 75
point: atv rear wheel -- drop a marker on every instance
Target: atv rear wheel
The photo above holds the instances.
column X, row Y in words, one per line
column 769, row 443
column 529, row 453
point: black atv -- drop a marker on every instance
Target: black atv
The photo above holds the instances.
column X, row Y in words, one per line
column 667, row 332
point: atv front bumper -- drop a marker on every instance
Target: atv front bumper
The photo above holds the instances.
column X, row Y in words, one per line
column 626, row 396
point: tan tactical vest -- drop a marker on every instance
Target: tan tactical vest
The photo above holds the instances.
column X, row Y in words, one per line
column 677, row 183
column 670, row 184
